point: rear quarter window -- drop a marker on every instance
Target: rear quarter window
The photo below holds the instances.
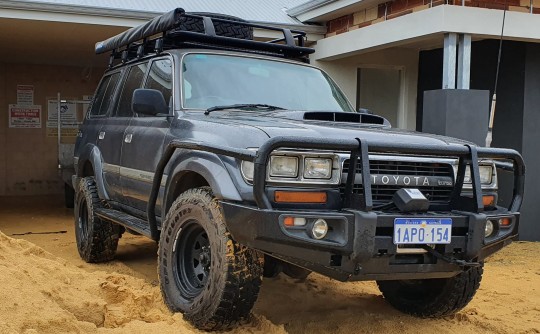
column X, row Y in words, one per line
column 104, row 94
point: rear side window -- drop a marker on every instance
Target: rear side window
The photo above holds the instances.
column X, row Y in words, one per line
column 133, row 81
column 160, row 78
column 104, row 95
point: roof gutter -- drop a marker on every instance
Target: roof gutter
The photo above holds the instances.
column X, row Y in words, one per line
column 307, row 6
column 71, row 9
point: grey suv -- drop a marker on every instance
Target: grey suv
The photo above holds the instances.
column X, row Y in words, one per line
column 244, row 161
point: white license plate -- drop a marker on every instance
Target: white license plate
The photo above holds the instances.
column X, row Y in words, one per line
column 422, row 231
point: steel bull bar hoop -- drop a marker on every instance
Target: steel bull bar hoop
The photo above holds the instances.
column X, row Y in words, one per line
column 359, row 148
column 263, row 154
column 241, row 154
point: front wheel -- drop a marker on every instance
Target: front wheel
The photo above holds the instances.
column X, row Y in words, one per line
column 203, row 272
column 432, row 298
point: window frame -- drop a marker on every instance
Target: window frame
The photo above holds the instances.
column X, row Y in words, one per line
column 127, row 70
column 114, row 94
column 173, row 88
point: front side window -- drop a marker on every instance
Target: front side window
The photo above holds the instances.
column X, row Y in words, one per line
column 133, row 81
column 160, row 78
column 217, row 80
column 104, row 95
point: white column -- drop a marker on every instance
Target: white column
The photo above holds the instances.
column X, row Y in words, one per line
column 449, row 61
column 464, row 61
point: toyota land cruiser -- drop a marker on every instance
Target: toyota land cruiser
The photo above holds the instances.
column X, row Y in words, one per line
column 242, row 160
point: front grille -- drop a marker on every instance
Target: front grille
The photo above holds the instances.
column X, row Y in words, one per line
column 383, row 194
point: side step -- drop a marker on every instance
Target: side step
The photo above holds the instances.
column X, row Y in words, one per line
column 124, row 219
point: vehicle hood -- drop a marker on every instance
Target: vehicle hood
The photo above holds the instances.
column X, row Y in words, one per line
column 276, row 124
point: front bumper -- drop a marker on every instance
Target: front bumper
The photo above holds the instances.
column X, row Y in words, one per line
column 360, row 244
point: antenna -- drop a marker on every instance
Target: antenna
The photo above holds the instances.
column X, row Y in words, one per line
column 489, row 137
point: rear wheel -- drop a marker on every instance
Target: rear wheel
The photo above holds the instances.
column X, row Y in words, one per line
column 97, row 240
column 69, row 196
column 203, row 272
column 295, row 272
column 431, row 298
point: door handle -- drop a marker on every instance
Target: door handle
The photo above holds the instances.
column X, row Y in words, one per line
column 128, row 138
column 101, row 135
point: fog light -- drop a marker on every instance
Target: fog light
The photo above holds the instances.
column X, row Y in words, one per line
column 319, row 229
column 489, row 228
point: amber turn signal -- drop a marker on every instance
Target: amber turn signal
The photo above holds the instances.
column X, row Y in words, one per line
column 505, row 222
column 300, row 197
column 488, row 200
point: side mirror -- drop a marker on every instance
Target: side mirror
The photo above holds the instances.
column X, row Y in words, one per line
column 149, row 102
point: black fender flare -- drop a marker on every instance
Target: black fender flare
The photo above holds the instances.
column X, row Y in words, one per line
column 209, row 166
column 91, row 153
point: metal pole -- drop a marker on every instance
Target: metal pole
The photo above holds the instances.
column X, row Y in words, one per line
column 58, row 107
column 464, row 62
column 59, row 121
column 449, row 61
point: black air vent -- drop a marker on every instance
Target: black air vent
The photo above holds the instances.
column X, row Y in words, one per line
column 347, row 117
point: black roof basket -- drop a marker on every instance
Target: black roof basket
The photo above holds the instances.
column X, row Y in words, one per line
column 167, row 32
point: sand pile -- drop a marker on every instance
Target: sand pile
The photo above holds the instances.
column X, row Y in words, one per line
column 44, row 294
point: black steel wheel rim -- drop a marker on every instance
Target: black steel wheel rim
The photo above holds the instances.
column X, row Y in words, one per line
column 82, row 220
column 192, row 259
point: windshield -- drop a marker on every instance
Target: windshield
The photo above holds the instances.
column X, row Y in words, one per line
column 219, row 80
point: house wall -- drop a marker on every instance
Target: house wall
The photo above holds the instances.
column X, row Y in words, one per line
column 392, row 9
column 517, row 117
column 344, row 72
column 28, row 157
column 531, row 137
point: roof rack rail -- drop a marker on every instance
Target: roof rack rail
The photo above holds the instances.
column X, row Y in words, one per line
column 168, row 31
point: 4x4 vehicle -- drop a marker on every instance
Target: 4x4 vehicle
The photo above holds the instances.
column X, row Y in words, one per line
column 241, row 159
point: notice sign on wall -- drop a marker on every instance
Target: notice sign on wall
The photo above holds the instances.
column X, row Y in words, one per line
column 25, row 95
column 22, row 116
column 68, row 118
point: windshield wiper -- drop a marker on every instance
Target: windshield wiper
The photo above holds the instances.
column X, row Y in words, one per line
column 243, row 106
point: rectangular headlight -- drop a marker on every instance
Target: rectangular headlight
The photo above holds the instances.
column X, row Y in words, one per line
column 283, row 166
column 317, row 168
column 486, row 173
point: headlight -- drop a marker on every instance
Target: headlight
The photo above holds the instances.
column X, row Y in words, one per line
column 486, row 173
column 317, row 168
column 298, row 167
column 283, row 166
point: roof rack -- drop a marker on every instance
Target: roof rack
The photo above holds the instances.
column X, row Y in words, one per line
column 168, row 31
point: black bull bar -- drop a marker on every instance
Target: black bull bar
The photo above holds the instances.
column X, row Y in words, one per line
column 359, row 154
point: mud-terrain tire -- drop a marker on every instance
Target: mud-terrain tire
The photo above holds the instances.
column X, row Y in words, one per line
column 203, row 273
column 97, row 240
column 433, row 298
column 224, row 29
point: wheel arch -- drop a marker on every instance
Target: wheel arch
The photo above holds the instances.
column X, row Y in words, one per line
column 91, row 164
column 199, row 170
